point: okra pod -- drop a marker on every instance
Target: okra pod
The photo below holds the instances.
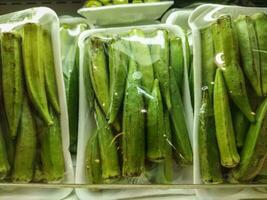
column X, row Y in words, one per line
column 142, row 57
column 49, row 69
column 223, row 122
column 4, row 163
column 250, row 56
column 26, row 144
column 12, row 80
column 108, row 148
column 133, row 125
column 119, row 70
column 99, row 73
column 155, row 126
column 160, row 59
column 34, row 69
column 226, row 50
column 260, row 25
column 253, row 153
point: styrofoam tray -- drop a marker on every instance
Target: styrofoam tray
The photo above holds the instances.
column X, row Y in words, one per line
column 85, row 126
column 203, row 16
column 125, row 13
column 48, row 19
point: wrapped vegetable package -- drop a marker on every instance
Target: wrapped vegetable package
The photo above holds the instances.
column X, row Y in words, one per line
column 135, row 113
column 34, row 132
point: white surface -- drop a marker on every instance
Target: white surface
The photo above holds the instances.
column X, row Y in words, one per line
column 85, row 126
column 202, row 17
column 49, row 20
column 125, row 13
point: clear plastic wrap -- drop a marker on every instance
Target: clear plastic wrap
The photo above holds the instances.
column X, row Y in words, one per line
column 70, row 29
column 135, row 113
column 34, row 113
column 230, row 46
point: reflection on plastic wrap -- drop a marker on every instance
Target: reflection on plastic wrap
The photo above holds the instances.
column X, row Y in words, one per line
column 140, row 134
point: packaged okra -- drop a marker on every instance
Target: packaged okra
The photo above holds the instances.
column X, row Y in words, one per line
column 230, row 133
column 34, row 136
column 135, row 118
column 70, row 29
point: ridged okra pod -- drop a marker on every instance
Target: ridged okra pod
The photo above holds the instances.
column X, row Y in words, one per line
column 4, row 163
column 49, row 70
column 209, row 157
column 253, row 153
column 260, row 20
column 51, row 150
column 34, row 69
column 26, row 144
column 250, row 56
column 119, row 62
column 223, row 122
column 98, row 71
column 12, row 79
column 133, row 125
column 93, row 160
column 160, row 59
column 155, row 126
column 108, row 148
column 180, row 136
column 177, row 60
column 141, row 55
column 226, row 58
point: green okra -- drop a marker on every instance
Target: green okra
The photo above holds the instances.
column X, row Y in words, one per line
column 160, row 59
column 33, row 69
column 207, row 61
column 133, row 125
column 12, row 79
column 141, row 55
column 180, row 136
column 99, row 73
column 51, row 150
column 120, row 1
column 108, row 148
column 241, row 125
column 49, row 70
column 155, row 150
column 250, row 58
column 119, row 63
column 93, row 160
column 26, row 144
column 4, row 162
column 177, row 60
column 38, row 173
column 253, row 153
column 223, row 122
column 89, row 90
column 227, row 59
column 209, row 157
column 259, row 20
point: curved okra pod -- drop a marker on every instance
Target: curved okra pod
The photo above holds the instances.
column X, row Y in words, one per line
column 226, row 58
column 133, row 125
column 49, row 69
column 223, row 123
column 253, row 153
column 12, row 79
column 34, row 69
